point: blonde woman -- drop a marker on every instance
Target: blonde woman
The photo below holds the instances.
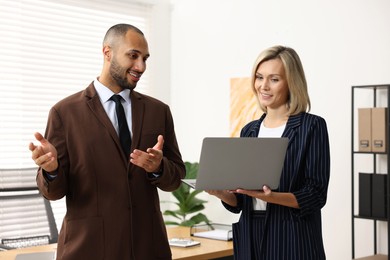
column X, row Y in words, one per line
column 283, row 223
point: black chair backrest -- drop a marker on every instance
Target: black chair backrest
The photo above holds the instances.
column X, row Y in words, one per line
column 26, row 217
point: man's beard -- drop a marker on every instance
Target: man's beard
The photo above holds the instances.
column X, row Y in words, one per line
column 116, row 73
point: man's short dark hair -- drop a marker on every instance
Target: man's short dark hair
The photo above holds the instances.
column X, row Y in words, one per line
column 119, row 30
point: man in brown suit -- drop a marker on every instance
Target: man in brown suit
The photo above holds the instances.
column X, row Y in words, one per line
column 113, row 208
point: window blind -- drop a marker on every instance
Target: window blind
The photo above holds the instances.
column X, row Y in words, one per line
column 49, row 50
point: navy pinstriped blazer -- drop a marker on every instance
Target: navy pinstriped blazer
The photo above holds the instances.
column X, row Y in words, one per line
column 290, row 234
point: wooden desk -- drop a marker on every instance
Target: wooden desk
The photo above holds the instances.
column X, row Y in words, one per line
column 208, row 248
column 374, row 257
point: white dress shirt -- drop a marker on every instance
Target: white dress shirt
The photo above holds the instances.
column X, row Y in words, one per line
column 259, row 204
column 109, row 105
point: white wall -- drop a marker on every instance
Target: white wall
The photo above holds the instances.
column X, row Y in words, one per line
column 159, row 42
column 341, row 43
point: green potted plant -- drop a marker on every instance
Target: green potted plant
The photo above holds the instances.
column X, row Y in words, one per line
column 189, row 206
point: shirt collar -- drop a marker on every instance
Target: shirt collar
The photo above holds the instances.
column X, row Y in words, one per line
column 105, row 93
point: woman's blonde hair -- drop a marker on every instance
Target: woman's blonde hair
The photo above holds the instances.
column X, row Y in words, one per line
column 298, row 98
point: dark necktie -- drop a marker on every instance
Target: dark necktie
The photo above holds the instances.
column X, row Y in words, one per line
column 124, row 133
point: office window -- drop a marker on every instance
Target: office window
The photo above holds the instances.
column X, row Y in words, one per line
column 49, row 50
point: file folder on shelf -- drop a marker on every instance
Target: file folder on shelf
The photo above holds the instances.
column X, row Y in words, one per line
column 378, row 129
column 365, row 194
column 213, row 231
column 364, row 124
column 379, row 198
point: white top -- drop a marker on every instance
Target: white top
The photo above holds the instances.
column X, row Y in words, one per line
column 109, row 105
column 259, row 204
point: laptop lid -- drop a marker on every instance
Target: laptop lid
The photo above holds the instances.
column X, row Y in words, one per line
column 248, row 163
column 36, row 256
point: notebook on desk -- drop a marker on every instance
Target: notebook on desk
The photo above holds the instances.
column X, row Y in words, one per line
column 231, row 163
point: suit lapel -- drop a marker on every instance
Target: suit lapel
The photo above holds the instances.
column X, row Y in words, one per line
column 292, row 123
column 97, row 109
column 254, row 130
column 137, row 114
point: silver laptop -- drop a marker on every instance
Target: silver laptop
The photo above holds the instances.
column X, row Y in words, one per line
column 36, row 256
column 231, row 163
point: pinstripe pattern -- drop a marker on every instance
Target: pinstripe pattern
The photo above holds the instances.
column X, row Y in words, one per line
column 284, row 233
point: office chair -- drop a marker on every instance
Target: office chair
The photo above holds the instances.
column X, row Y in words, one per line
column 26, row 218
column 18, row 179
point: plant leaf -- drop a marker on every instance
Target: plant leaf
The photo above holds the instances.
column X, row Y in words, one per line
column 181, row 193
column 195, row 208
column 195, row 220
column 200, row 217
column 171, row 223
column 175, row 214
column 191, row 170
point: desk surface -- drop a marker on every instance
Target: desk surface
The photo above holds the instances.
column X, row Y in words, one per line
column 208, row 248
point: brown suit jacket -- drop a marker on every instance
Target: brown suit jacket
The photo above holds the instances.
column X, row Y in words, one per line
column 113, row 208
